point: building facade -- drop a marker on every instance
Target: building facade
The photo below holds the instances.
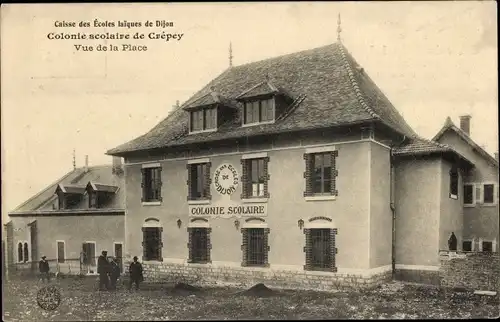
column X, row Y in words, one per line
column 70, row 222
column 296, row 171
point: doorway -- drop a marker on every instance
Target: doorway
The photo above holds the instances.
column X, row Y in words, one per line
column 118, row 247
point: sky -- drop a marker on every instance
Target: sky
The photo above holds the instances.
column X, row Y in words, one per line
column 431, row 59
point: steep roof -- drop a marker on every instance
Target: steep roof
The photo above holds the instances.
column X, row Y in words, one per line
column 75, row 182
column 327, row 87
column 449, row 125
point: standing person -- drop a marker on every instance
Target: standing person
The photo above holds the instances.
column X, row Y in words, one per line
column 44, row 269
column 103, row 270
column 135, row 271
column 114, row 272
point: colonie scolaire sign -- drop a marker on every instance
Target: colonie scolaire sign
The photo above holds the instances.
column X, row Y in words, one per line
column 226, row 181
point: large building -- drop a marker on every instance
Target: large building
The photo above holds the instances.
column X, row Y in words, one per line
column 70, row 222
column 296, row 171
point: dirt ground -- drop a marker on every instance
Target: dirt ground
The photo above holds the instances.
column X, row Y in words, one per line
column 80, row 300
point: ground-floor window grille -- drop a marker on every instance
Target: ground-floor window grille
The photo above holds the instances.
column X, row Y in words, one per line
column 199, row 245
column 152, row 243
column 320, row 249
column 255, row 246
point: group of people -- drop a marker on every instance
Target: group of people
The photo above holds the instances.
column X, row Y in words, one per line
column 108, row 269
column 109, row 272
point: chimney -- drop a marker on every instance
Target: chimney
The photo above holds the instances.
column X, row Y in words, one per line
column 86, row 163
column 117, row 165
column 465, row 123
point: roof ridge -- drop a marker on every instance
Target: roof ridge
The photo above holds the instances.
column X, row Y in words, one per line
column 355, row 85
column 283, row 55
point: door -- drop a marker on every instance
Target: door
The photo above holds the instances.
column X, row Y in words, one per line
column 89, row 260
column 119, row 255
column 320, row 239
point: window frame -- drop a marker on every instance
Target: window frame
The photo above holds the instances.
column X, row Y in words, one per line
column 57, row 251
column 20, row 259
column 493, row 244
column 473, row 203
column 454, row 185
column 204, row 111
column 157, row 184
column 309, row 174
column 472, row 242
column 206, row 180
column 247, row 178
column 159, row 256
column 92, row 261
column 308, row 249
column 251, row 102
column 495, row 193
column 206, row 259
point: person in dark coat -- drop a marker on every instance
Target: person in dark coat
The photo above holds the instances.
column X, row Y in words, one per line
column 135, row 271
column 452, row 242
column 43, row 267
column 103, row 269
column 114, row 273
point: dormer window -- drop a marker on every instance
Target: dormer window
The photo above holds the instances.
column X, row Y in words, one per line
column 100, row 194
column 203, row 119
column 259, row 111
column 208, row 112
column 69, row 196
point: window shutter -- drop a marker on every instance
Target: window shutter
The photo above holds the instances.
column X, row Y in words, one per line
column 143, row 185
column 144, row 253
column 335, row 173
column 209, row 245
column 333, row 250
column 244, row 179
column 266, row 247
column 266, row 173
column 244, row 246
column 208, row 180
column 307, row 174
column 160, row 248
column 190, row 178
column 308, row 249
column 190, row 244
column 159, row 184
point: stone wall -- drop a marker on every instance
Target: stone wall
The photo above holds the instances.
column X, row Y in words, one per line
column 470, row 270
column 211, row 275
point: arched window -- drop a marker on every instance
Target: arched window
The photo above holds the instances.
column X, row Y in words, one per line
column 20, row 252
column 26, row 253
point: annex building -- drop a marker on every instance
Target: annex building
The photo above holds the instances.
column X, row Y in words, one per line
column 297, row 171
column 70, row 222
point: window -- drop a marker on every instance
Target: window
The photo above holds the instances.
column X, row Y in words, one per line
column 454, row 183
column 468, row 194
column 60, row 199
column 60, row 251
column 487, row 246
column 320, row 249
column 26, row 253
column 321, row 173
column 489, row 193
column 93, row 199
column 20, row 254
column 255, row 246
column 467, row 246
column 199, row 245
column 255, row 178
column 152, row 243
column 151, row 184
column 199, row 181
column 259, row 111
column 204, row 119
